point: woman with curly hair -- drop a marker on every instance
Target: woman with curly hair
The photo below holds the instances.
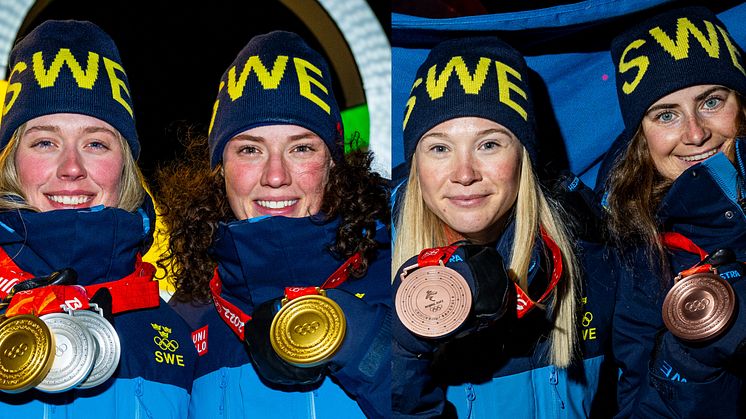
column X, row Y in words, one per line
column 298, row 233
column 525, row 330
column 675, row 204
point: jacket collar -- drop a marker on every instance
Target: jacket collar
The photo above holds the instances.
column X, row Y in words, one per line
column 704, row 203
column 101, row 244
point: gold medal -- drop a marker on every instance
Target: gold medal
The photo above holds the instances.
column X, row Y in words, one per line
column 26, row 353
column 308, row 330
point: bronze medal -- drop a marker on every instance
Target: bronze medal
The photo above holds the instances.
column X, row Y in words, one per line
column 26, row 352
column 433, row 301
column 308, row 330
column 699, row 307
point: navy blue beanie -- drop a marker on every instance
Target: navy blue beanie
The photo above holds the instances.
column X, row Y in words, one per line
column 68, row 67
column 276, row 79
column 671, row 51
column 482, row 77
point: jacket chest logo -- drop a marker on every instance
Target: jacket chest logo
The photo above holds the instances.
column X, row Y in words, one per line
column 166, row 348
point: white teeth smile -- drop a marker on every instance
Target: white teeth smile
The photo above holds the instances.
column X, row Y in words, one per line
column 276, row 204
column 70, row 200
column 698, row 157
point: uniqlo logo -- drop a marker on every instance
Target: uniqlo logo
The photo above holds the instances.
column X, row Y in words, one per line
column 199, row 337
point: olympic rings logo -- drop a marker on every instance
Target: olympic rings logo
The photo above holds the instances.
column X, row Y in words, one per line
column 587, row 318
column 697, row 305
column 166, row 344
column 60, row 350
column 307, row 328
column 15, row 351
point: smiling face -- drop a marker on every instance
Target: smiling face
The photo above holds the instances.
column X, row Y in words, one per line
column 276, row 170
column 469, row 170
column 69, row 161
column 689, row 126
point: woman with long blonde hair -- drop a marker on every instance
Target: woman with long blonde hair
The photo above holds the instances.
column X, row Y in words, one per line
column 470, row 139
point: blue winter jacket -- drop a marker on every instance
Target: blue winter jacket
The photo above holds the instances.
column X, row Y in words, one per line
column 102, row 244
column 503, row 371
column 257, row 258
column 705, row 205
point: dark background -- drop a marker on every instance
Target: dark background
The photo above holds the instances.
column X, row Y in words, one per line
column 174, row 56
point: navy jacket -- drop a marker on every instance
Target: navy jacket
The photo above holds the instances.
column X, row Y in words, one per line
column 704, row 205
column 494, row 372
column 257, row 258
column 101, row 244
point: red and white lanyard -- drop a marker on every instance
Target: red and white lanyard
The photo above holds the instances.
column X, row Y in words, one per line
column 677, row 241
column 235, row 318
column 135, row 291
column 524, row 303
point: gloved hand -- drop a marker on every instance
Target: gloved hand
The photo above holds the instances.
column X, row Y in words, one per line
column 268, row 364
column 581, row 204
column 493, row 295
column 367, row 331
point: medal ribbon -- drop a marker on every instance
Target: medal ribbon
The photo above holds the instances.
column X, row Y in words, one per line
column 235, row 318
column 136, row 290
column 524, row 303
column 677, row 241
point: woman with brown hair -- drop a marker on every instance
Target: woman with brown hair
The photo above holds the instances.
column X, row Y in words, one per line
column 281, row 243
column 675, row 207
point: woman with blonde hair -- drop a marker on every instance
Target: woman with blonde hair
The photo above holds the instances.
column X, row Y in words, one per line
column 83, row 330
column 470, row 137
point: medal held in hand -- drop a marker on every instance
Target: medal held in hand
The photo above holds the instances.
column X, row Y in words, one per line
column 75, row 351
column 434, row 300
column 308, row 329
column 700, row 304
column 26, row 352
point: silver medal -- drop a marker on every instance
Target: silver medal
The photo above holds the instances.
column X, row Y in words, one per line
column 74, row 355
column 109, row 348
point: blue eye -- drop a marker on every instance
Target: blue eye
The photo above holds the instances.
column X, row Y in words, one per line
column 98, row 145
column 42, row 144
column 490, row 145
column 712, row 103
column 439, row 148
column 665, row 116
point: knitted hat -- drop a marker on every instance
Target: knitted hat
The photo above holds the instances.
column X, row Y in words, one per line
column 671, row 51
column 482, row 77
column 276, row 79
column 67, row 67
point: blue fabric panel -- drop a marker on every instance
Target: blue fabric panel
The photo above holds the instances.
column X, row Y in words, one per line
column 577, row 76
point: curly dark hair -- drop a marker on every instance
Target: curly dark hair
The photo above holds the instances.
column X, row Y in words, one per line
column 193, row 201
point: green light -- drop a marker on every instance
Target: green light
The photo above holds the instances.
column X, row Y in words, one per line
column 356, row 122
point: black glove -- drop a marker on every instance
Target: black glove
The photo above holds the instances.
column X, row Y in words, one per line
column 66, row 276
column 367, row 332
column 493, row 295
column 581, row 204
column 268, row 364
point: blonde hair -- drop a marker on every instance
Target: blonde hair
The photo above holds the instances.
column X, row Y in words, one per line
column 417, row 228
column 131, row 190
